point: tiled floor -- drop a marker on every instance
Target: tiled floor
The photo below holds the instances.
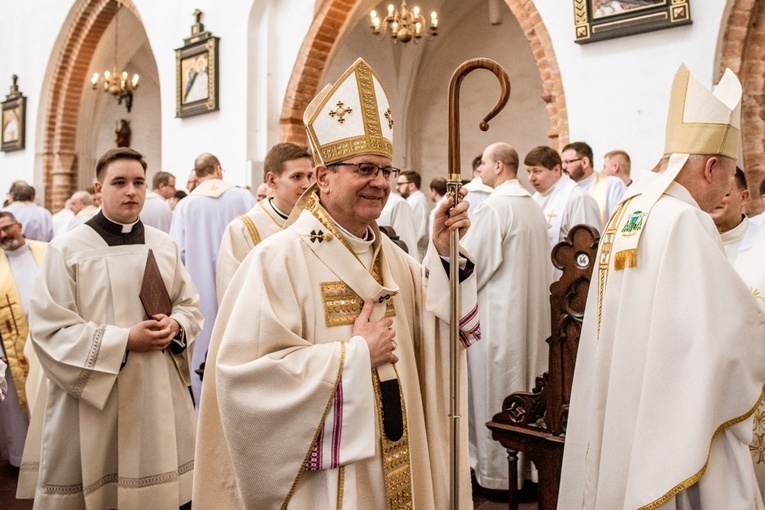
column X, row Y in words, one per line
column 482, row 499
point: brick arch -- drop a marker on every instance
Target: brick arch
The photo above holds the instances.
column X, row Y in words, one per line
column 86, row 24
column 323, row 35
column 743, row 52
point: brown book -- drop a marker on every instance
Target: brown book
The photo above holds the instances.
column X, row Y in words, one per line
column 153, row 294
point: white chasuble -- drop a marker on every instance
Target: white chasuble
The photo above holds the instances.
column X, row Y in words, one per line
column 115, row 429
column 198, row 224
column 509, row 239
column 241, row 236
column 289, row 416
column 398, row 214
column 669, row 370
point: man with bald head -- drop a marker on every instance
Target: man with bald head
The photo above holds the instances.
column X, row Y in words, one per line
column 83, row 208
column 198, row 224
column 509, row 240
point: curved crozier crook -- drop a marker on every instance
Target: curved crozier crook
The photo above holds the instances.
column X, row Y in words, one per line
column 454, row 105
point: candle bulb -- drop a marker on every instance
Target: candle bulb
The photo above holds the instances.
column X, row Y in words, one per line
column 390, row 9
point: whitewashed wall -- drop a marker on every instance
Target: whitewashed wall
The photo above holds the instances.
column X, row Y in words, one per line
column 616, row 90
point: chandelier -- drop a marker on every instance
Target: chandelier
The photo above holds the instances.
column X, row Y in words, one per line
column 114, row 82
column 403, row 24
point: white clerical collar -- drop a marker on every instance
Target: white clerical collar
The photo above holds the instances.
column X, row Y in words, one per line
column 276, row 209
column 20, row 251
column 126, row 227
column 368, row 239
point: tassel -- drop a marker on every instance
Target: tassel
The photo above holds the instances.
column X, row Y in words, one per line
column 625, row 258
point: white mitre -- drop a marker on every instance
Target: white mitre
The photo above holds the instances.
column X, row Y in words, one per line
column 351, row 117
column 698, row 122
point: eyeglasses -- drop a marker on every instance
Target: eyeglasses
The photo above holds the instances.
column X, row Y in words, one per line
column 569, row 161
column 403, row 183
column 370, row 170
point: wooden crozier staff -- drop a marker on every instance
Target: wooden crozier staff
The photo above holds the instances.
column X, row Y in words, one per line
column 453, row 184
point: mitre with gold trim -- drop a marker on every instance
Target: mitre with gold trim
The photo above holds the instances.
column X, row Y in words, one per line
column 350, row 118
column 698, row 122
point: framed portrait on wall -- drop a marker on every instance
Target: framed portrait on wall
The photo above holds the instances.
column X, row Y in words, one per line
column 596, row 20
column 196, row 66
column 13, row 119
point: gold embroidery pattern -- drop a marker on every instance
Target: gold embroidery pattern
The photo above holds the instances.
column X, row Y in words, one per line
column 319, row 428
column 342, row 305
column 757, row 446
column 395, row 458
column 395, row 454
column 604, row 257
column 251, row 228
column 340, row 112
column 677, row 489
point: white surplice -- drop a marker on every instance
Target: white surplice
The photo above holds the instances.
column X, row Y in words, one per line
column 398, row 214
column 509, row 238
column 288, row 373
column 669, row 370
column 241, row 236
column 156, row 213
column 116, row 428
column 199, row 221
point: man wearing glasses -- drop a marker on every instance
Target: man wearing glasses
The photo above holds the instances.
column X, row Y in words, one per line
column 329, row 386
column 607, row 190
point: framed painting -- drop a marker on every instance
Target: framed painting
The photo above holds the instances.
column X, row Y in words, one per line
column 596, row 20
column 13, row 119
column 196, row 66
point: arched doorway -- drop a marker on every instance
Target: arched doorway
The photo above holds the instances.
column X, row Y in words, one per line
column 77, row 124
column 334, row 18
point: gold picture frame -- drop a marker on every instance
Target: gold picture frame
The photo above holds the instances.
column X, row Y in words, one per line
column 196, row 70
column 596, row 20
column 13, row 120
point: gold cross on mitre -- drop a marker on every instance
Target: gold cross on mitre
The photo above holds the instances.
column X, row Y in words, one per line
column 340, row 112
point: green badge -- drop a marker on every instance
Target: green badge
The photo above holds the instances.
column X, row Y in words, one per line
column 634, row 223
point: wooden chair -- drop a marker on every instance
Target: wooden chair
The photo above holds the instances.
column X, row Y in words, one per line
column 535, row 422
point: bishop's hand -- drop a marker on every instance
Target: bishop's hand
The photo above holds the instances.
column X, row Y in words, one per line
column 379, row 335
column 447, row 219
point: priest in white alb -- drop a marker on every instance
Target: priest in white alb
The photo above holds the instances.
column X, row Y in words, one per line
column 509, row 239
column 199, row 221
column 563, row 202
column 671, row 358
column 19, row 264
column 398, row 214
column 116, row 421
column 289, row 172
column 577, row 161
column 329, row 386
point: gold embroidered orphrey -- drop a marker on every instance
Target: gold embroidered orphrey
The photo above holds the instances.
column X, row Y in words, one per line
column 340, row 112
column 345, row 306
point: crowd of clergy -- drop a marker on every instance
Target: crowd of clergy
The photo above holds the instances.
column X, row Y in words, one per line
column 249, row 386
